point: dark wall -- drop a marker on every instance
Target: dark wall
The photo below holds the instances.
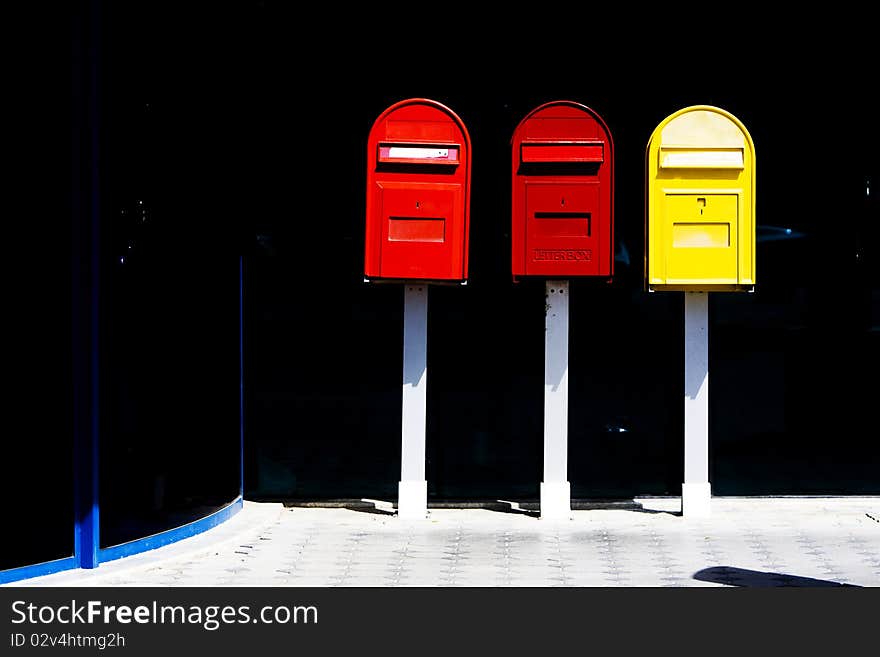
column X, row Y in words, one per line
column 170, row 259
column 37, row 437
column 244, row 136
column 790, row 407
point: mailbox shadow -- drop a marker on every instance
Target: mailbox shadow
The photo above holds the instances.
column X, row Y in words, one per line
column 378, row 507
column 617, row 505
column 731, row 576
column 639, row 508
column 533, row 509
column 506, row 506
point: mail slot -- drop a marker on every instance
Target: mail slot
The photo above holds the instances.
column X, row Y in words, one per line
column 563, row 193
column 700, row 214
column 418, row 194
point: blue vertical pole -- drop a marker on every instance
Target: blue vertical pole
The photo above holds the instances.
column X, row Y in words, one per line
column 86, row 318
column 241, row 375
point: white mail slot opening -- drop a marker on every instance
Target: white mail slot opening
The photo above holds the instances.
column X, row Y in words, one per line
column 686, row 158
column 419, row 153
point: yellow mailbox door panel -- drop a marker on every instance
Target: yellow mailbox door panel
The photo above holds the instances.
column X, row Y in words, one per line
column 700, row 203
column 701, row 240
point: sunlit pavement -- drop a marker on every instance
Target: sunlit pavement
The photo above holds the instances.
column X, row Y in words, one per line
column 745, row 542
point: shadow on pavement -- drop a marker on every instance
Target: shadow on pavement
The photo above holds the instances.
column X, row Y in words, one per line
column 531, row 508
column 732, row 576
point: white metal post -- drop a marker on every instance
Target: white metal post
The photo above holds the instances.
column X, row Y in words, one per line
column 555, row 489
column 696, row 491
column 412, row 500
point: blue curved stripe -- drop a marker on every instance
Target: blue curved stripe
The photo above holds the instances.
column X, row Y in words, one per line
column 127, row 549
column 37, row 569
column 171, row 535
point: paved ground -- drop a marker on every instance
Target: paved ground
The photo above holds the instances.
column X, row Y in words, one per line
column 746, row 542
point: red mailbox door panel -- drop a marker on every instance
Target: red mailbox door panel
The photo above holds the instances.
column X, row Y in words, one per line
column 418, row 194
column 560, row 230
column 421, row 229
column 562, row 193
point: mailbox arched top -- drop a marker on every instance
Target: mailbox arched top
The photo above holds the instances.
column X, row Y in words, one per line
column 562, row 109
column 702, row 126
column 417, row 110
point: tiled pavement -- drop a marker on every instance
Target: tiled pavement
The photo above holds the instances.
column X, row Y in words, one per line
column 746, row 542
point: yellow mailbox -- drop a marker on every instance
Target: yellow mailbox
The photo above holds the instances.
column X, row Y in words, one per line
column 700, row 205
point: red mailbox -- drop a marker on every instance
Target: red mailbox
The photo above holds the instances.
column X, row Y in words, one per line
column 418, row 194
column 563, row 193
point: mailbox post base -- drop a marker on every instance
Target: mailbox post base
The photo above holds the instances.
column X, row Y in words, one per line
column 412, row 500
column 555, row 500
column 696, row 500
